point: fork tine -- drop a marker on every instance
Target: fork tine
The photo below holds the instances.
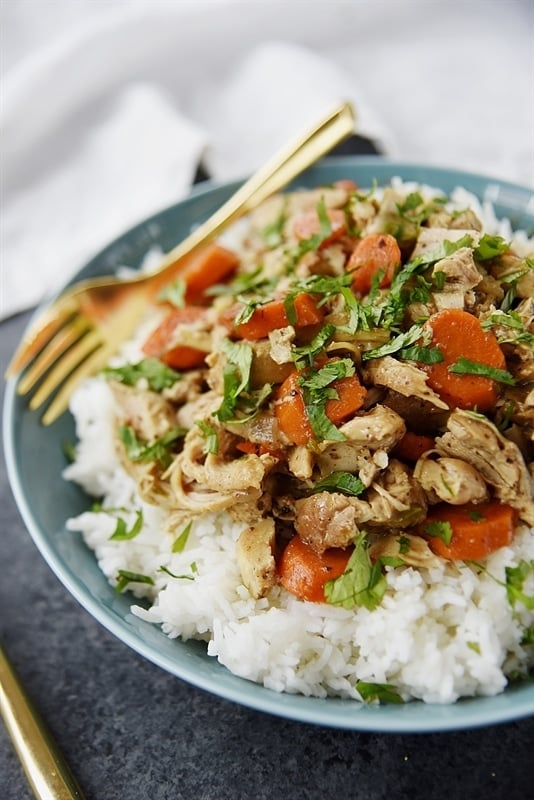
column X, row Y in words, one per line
column 40, row 333
column 60, row 343
column 64, row 367
column 98, row 359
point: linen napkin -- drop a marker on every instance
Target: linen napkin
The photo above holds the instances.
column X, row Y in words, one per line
column 113, row 161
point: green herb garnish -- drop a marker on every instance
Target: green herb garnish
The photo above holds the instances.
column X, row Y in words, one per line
column 157, row 374
column 125, row 577
column 341, row 482
column 362, row 584
column 464, row 366
column 439, row 530
column 181, row 540
column 160, row 450
column 381, row 692
column 123, row 533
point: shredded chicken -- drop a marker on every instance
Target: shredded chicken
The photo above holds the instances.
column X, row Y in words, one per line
column 449, row 479
column 475, row 440
column 254, row 552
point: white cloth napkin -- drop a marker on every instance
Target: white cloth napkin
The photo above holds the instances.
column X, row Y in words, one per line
column 106, row 123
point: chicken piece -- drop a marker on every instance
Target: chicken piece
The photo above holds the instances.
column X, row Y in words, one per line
column 300, row 462
column 352, row 457
column 475, row 440
column 377, row 429
column 188, row 388
column 213, row 472
column 405, row 379
column 466, row 219
column 280, row 341
column 413, row 550
column 460, row 275
column 509, row 266
column 149, row 413
column 449, row 479
column 327, row 519
column 430, row 239
column 201, row 407
column 255, row 559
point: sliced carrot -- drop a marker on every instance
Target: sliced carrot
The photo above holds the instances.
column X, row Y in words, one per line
column 477, row 530
column 303, row 572
column 273, row 315
column 178, row 356
column 412, row 446
column 458, row 334
column 308, row 224
column 347, row 184
column 209, row 265
column 375, row 253
column 290, row 410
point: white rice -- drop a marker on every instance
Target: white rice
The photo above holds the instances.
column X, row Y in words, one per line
column 438, row 634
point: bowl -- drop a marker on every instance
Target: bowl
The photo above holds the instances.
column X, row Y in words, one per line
column 45, row 500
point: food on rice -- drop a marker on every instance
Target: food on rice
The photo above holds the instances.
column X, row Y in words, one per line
column 317, row 453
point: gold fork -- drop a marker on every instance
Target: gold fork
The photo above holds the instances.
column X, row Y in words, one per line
column 75, row 336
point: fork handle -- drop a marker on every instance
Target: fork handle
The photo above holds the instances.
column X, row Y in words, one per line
column 280, row 170
column 47, row 772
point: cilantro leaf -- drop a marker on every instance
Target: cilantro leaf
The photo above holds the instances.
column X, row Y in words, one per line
column 174, row 293
column 381, row 692
column 181, row 540
column 236, row 376
column 342, row 482
column 416, row 335
column 125, row 577
column 515, row 581
column 439, row 529
column 490, row 247
column 123, row 533
column 159, row 450
column 362, row 583
column 211, row 437
column 464, row 366
column 157, row 374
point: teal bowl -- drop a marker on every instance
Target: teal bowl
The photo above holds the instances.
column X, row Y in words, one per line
column 45, row 500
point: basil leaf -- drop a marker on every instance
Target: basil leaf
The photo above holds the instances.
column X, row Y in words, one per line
column 342, row 482
column 464, row 366
column 157, row 374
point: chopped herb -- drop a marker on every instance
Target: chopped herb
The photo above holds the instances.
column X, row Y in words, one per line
column 528, row 636
column 160, row 450
column 416, row 335
column 69, row 451
column 476, row 516
column 439, row 279
column 124, row 577
column 342, row 482
column 515, row 581
column 304, row 246
column 309, row 352
column 404, row 545
column 510, row 320
column 317, row 390
column 123, row 533
column 463, row 366
column 173, row 575
column 381, row 692
column 411, row 202
column 424, row 355
column 439, row 530
column 174, row 293
column 362, row 583
column 211, row 437
column 157, row 374
column 181, row 540
column 289, row 308
column 272, row 234
column 236, row 376
column 474, row 646
column 490, row 247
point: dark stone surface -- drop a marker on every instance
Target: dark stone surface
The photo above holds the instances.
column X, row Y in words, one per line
column 130, row 731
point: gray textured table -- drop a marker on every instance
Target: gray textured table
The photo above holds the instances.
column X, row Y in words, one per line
column 131, row 731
